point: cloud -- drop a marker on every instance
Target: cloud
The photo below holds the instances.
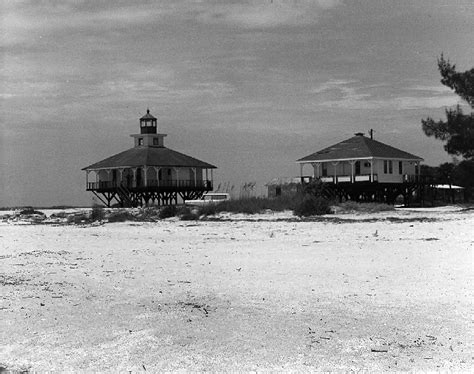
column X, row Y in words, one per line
column 266, row 13
column 396, row 103
column 343, row 94
column 440, row 89
column 23, row 21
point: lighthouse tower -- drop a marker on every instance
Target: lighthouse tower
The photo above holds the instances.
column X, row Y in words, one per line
column 148, row 173
column 148, row 136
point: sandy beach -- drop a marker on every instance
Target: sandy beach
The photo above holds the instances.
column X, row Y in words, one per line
column 381, row 292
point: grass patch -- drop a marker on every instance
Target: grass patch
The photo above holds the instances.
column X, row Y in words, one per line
column 252, row 205
column 352, row 206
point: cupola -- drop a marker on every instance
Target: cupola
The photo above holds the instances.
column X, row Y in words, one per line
column 148, row 123
column 148, row 136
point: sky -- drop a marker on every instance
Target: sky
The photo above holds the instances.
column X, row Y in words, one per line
column 247, row 85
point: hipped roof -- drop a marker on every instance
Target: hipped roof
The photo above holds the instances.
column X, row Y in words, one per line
column 147, row 115
column 149, row 156
column 359, row 147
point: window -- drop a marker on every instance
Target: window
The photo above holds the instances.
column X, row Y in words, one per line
column 140, row 141
column 388, row 167
column 278, row 191
column 400, row 167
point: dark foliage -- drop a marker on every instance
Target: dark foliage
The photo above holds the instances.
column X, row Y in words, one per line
column 459, row 174
column 97, row 213
column 458, row 129
column 312, row 205
column 167, row 211
column 121, row 216
column 461, row 83
column 186, row 214
column 30, row 210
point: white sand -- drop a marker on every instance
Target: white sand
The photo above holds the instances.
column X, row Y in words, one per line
column 252, row 293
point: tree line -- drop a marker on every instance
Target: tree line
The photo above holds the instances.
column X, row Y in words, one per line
column 457, row 131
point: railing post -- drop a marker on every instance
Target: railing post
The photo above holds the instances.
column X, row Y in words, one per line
column 371, row 170
column 352, row 162
column 87, row 178
column 335, row 171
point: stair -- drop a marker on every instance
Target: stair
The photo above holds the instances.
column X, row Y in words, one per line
column 124, row 194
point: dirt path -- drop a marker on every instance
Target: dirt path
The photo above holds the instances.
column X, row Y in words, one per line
column 376, row 295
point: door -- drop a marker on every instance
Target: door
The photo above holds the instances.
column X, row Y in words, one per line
column 139, row 177
column 357, row 168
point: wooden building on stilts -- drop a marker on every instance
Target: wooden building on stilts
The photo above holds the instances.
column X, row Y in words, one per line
column 363, row 169
column 148, row 173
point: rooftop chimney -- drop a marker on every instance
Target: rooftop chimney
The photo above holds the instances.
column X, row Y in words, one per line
column 359, row 134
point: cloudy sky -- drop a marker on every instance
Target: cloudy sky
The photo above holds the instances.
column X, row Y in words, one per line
column 248, row 85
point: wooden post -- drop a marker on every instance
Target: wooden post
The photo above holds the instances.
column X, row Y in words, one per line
column 157, row 170
column 335, row 171
column 87, row 178
column 352, row 162
column 145, row 168
column 195, row 177
column 134, row 171
column 108, row 178
column 371, row 170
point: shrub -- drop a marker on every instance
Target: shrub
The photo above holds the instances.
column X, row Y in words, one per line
column 251, row 205
column 149, row 214
column 97, row 213
column 209, row 210
column 312, row 205
column 121, row 216
column 167, row 211
column 29, row 210
column 186, row 214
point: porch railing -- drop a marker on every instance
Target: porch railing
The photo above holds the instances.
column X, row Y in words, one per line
column 348, row 178
column 178, row 184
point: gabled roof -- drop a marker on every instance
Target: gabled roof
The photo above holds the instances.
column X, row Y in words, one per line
column 149, row 156
column 359, row 147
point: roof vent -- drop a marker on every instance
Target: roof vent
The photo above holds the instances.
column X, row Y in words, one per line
column 359, row 134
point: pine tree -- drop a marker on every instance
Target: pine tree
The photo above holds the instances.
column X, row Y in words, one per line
column 458, row 129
